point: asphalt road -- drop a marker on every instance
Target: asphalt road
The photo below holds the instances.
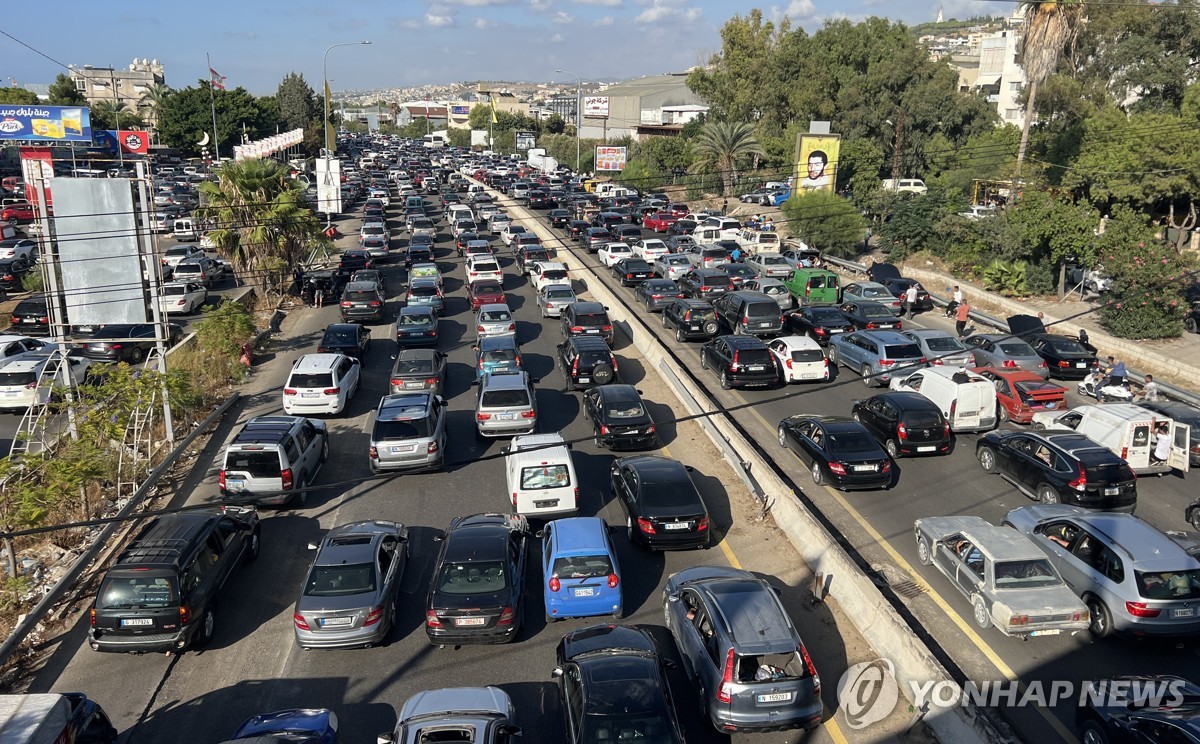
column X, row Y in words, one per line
column 879, row 524
column 253, row 666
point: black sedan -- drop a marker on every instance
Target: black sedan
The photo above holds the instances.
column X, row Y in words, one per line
column 418, row 253
column 820, row 322
column 13, row 271
column 577, row 228
column 351, row 339
column 619, row 418
column 127, row 342
column 682, row 227
column 478, row 581
column 630, row 271
column 656, row 294
column 1064, row 356
column 871, row 316
column 559, row 217
column 906, row 423
column 663, row 508
column 838, row 451
column 613, row 688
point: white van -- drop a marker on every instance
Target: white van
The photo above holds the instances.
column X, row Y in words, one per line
column 459, row 212
column 1127, row 430
column 967, row 400
column 541, row 476
column 184, row 229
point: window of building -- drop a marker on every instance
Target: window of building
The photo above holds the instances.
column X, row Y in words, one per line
column 1015, row 87
column 1012, row 113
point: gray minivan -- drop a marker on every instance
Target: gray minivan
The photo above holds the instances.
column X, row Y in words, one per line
column 740, row 647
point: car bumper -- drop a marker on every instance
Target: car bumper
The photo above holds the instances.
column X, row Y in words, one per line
column 351, row 317
column 341, row 639
column 588, row 608
column 753, row 380
column 778, row 720
column 1042, row 629
column 629, row 441
column 865, row 482
column 1068, row 373
column 258, row 498
column 424, row 462
column 137, row 644
column 463, row 637
column 1143, row 627
column 799, row 375
column 422, row 340
column 924, row 448
column 410, row 386
column 506, row 428
column 315, row 407
column 675, row 541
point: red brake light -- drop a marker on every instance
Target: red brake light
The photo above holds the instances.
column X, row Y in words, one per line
column 733, row 366
column 506, row 617
column 902, row 431
column 812, row 670
column 886, row 362
column 725, row 692
column 837, row 468
column 528, row 414
column 1139, row 609
column 221, row 478
column 1064, row 363
column 554, row 584
column 185, row 615
column 289, row 391
column 374, row 616
column 92, row 616
column 287, row 478
column 702, row 525
column 483, row 416
column 606, row 328
column 347, row 303
column 431, row 620
column 646, row 526
column 613, row 580
column 1011, row 363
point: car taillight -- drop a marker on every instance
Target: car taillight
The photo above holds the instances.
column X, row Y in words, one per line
column 604, row 429
column 483, row 416
column 629, row 276
column 945, row 429
column 512, row 326
column 373, row 452
column 185, row 614
column 480, row 329
column 733, row 366
column 221, row 478
column 1064, row 363
column 725, row 692
column 788, row 362
column 1010, row 363
column 902, row 431
column 613, row 580
column 332, row 391
column 376, row 303
column 506, row 616
column 812, row 670
column 887, row 467
column 1041, row 365
column 431, row 620
column 92, row 616
column 953, row 408
column 374, row 616
column 821, row 331
column 886, row 362
column 702, row 525
column 528, row 414
column 1019, row 620
column 576, row 329
column 287, row 478
column 289, row 391
column 837, row 468
column 646, row 526
column 347, row 303
column 899, row 325
column 14, row 320
column 1139, row 609
column 554, row 584
column 606, row 328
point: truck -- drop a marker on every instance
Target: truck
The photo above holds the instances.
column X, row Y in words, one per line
column 54, row 718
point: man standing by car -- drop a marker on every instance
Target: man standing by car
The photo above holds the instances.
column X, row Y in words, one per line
column 1149, row 389
column 962, row 314
column 910, row 300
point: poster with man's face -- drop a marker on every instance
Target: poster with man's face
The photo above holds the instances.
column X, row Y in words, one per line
column 816, row 161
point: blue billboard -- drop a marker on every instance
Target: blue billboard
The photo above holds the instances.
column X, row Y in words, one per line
column 37, row 123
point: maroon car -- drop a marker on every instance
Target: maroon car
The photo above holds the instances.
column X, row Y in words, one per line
column 659, row 221
column 485, row 292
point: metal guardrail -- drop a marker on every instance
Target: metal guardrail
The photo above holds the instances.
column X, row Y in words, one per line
column 1171, row 391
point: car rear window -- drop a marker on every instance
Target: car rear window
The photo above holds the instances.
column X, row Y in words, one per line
column 476, row 577
column 415, row 319
column 944, row 343
column 902, row 351
column 413, row 428
column 555, row 274
column 700, row 314
column 851, row 441
column 137, row 592
column 763, row 310
column 1102, row 466
column 488, row 288
column 422, row 291
column 17, row 378
column 753, row 356
column 337, row 581
column 593, row 319
column 581, row 566
column 505, row 398
column 1182, row 584
column 495, row 316
column 822, row 282
column 481, row 266
column 1017, row 349
column 875, row 311
column 414, row 366
column 807, row 355
column 545, row 476
column 361, row 295
column 311, row 380
column 922, row 419
column 258, row 463
column 770, row 668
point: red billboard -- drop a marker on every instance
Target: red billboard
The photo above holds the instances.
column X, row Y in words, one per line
column 133, row 141
column 37, row 166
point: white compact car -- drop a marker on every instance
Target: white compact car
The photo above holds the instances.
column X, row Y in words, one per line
column 800, row 359
column 321, row 383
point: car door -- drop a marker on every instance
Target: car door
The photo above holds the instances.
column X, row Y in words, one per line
column 225, row 544
column 882, row 418
column 572, row 693
column 388, row 560
column 719, row 357
column 516, row 557
column 851, row 351
column 1078, row 562
column 625, row 487
column 806, row 446
column 348, row 373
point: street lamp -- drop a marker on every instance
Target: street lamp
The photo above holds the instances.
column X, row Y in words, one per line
column 329, row 146
column 578, row 114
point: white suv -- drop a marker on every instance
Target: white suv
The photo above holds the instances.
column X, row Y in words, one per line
column 321, row 383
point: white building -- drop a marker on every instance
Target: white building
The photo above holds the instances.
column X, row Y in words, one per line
column 992, row 70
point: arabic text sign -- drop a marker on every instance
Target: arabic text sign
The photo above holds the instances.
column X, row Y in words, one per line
column 45, row 123
column 595, row 106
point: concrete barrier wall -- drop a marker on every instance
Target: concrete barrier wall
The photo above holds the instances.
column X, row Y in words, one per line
column 873, row 616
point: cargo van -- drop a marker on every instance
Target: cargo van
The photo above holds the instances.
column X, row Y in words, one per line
column 52, row 718
column 966, row 399
column 541, row 476
column 813, row 286
column 1127, row 430
column 184, row 229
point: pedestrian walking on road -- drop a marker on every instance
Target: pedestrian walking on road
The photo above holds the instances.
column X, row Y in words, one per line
column 962, row 314
column 910, row 300
column 1149, row 389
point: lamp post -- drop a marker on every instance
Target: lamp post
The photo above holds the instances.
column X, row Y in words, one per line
column 329, row 146
column 578, row 114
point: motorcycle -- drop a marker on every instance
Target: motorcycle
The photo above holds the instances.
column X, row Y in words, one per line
column 1105, row 390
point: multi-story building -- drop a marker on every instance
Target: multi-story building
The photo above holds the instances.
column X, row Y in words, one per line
column 645, row 101
column 991, row 68
column 127, row 87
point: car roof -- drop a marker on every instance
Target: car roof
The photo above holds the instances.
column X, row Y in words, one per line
column 1072, row 441
column 617, row 393
column 745, row 342
column 907, row 401
column 887, row 337
column 352, row 543
column 748, row 608
column 477, row 539
column 581, row 533
column 319, row 362
column 587, row 307
column 1150, row 548
column 417, row 310
column 589, row 343
column 653, row 469
column 492, row 307
column 509, row 380
column 502, row 341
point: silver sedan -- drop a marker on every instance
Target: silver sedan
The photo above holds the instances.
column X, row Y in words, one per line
column 349, row 596
column 552, row 298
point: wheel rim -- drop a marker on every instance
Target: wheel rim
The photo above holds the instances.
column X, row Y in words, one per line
column 1099, row 620
column 865, row 373
column 629, row 534
column 892, row 450
column 209, row 622
column 725, row 379
column 254, row 544
column 1049, row 496
column 782, row 437
column 1090, row 736
column 816, row 473
column 987, row 459
column 981, row 616
column 923, row 551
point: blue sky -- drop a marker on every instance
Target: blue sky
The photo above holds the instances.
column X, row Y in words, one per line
column 254, row 44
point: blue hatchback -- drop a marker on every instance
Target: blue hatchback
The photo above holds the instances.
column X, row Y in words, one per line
column 497, row 354
column 582, row 578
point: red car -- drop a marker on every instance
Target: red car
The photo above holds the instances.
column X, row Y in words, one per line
column 659, row 221
column 1021, row 393
column 485, row 293
column 17, row 212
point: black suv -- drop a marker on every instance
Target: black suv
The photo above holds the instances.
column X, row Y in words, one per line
column 747, row 312
column 1060, row 467
column 31, row 316
column 161, row 592
column 587, row 319
column 362, row 302
column 905, row 423
column 691, row 319
column 586, row 361
column 740, row 361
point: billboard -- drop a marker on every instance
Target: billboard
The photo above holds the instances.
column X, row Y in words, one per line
column 610, row 158
column 816, row 161
column 131, row 141
column 102, row 274
column 479, row 138
column 524, row 140
column 45, row 123
column 329, row 185
column 595, row 107
column 37, row 163
column 460, row 110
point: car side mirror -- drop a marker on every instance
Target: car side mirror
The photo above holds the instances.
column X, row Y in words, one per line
column 535, row 380
column 777, row 590
column 439, row 537
column 539, row 534
column 510, row 730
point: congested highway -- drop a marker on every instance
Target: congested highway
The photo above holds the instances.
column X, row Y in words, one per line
column 252, row 665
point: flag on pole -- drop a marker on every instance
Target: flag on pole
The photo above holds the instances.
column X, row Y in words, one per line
column 492, row 101
column 216, row 79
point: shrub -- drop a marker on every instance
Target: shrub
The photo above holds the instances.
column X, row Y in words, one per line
column 1008, row 278
column 225, row 328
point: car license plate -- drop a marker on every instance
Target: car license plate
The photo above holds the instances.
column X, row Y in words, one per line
column 926, row 448
column 582, row 380
column 1081, row 365
column 677, row 525
column 837, row 330
column 336, row 622
column 404, row 448
column 774, row 697
column 134, row 622
column 467, row 622
column 1050, row 632
column 308, row 395
column 235, row 484
column 864, row 468
column 1184, row 612
column 1112, row 491
column 887, row 325
column 12, row 393
column 584, row 591
column 755, row 368
column 810, row 375
column 413, row 385
column 592, row 330
column 546, row 504
column 504, row 416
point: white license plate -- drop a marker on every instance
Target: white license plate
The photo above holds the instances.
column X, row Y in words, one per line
column 546, row 504
column 927, row 448
column 1111, row 491
column 309, row 395
column 1050, row 632
column 467, row 622
column 404, row 448
column 594, row 330
column 837, row 330
column 677, row 525
column 810, row 375
column 582, row 380
column 412, row 385
column 1184, row 612
column 129, row 622
column 864, row 468
column 774, row 697
column 755, row 368
column 336, row 622
column 504, row 416
column 12, row 393
column 1081, row 365
column 586, row 591
column 235, row 484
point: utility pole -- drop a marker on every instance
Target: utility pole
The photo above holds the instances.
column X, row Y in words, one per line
column 147, row 247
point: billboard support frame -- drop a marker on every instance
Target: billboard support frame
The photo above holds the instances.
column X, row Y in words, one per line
column 153, row 265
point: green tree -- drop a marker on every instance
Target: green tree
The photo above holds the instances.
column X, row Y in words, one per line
column 554, row 124
column 743, row 82
column 1048, row 27
column 114, row 115
column 1148, row 295
column 723, row 148
column 64, row 93
column 459, row 137
column 825, row 221
column 298, row 104
column 913, row 224
column 267, row 227
column 17, row 96
column 186, row 115
column 153, row 101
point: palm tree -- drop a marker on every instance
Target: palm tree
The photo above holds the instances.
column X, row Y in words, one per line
column 1048, row 27
column 723, row 146
column 264, row 226
column 114, row 115
column 153, row 100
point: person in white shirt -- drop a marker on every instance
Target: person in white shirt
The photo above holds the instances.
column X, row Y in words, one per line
column 1162, row 443
column 1149, row 389
column 910, row 300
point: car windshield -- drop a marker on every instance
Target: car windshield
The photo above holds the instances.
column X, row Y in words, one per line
column 483, row 577
column 874, row 311
column 581, row 566
column 1023, row 574
column 505, row 399
column 414, row 366
column 545, row 476
column 174, row 291
column 1017, row 349
column 337, row 581
column 848, row 441
column 488, row 289
column 495, row 316
column 563, row 293
column 136, row 592
column 1183, row 584
column 13, row 379
column 402, row 428
column 311, row 380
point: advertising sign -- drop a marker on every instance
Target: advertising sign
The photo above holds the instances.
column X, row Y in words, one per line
column 131, row 141
column 595, row 107
column 610, row 158
column 525, row 140
column 329, row 185
column 460, row 110
column 816, row 161
column 37, row 165
column 45, row 123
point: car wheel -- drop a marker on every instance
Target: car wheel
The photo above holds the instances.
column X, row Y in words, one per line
column 817, row 476
column 710, row 328
column 865, row 373
column 980, row 614
column 782, row 437
column 923, row 554
column 703, row 360
column 550, row 619
column 1099, row 618
column 833, row 357
column 1195, row 519
column 136, row 354
column 255, row 546
column 1038, row 425
column 892, row 449
column 666, row 323
column 1189, row 325
column 1092, row 732
column 1047, row 495
column 1003, row 416
column 325, row 450
column 620, row 613
column 726, row 383
column 987, row 459
column 207, row 625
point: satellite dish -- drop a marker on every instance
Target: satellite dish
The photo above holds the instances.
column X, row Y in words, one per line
column 204, row 140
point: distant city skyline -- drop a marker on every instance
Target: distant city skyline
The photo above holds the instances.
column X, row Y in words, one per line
column 417, row 42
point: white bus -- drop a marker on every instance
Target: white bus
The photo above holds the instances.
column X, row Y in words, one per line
column 435, row 140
